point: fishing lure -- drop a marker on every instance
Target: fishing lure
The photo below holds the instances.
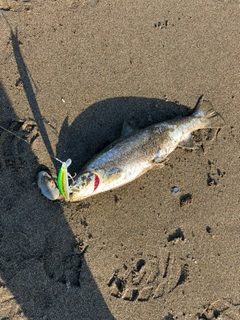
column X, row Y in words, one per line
column 62, row 180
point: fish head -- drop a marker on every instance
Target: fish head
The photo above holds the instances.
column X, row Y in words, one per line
column 84, row 186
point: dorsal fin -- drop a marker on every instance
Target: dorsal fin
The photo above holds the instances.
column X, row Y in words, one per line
column 127, row 129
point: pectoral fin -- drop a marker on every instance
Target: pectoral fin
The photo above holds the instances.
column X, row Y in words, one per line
column 188, row 143
column 113, row 174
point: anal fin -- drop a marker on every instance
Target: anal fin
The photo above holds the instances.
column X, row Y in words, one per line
column 160, row 162
column 188, row 143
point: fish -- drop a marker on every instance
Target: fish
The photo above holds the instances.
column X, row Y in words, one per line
column 138, row 151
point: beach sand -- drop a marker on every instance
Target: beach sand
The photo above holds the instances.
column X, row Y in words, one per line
column 71, row 73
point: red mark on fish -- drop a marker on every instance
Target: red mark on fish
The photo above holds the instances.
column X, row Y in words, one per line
column 96, row 182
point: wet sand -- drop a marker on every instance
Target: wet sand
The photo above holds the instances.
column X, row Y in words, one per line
column 71, row 73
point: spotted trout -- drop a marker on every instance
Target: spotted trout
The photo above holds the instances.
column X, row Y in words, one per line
column 138, row 151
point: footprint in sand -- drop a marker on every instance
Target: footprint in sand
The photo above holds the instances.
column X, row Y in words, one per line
column 222, row 310
column 147, row 278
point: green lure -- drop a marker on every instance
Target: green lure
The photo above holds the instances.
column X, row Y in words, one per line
column 62, row 179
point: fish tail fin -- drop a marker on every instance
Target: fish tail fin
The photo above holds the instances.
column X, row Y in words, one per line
column 205, row 111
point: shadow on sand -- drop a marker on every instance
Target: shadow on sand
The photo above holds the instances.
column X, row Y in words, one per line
column 40, row 262
column 101, row 123
column 39, row 258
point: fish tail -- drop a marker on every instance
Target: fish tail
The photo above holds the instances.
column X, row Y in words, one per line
column 210, row 118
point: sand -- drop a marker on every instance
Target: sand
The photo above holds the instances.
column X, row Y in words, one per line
column 71, row 73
